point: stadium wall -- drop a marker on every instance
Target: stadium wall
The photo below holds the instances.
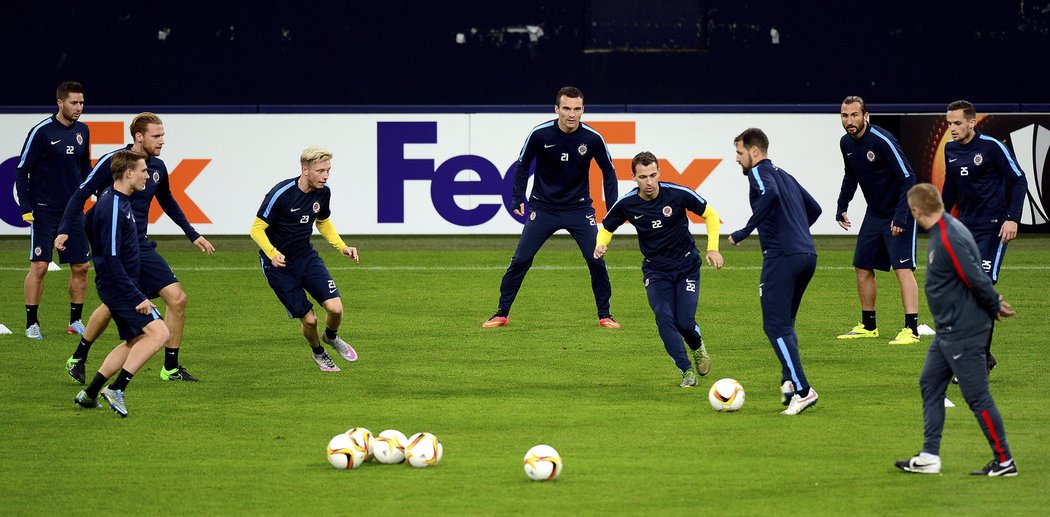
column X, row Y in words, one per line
column 451, row 173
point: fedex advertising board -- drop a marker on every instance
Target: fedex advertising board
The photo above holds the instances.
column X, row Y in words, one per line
column 438, row 174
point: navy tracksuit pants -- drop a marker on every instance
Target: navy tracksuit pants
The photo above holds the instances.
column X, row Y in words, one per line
column 540, row 226
column 781, row 286
column 673, row 296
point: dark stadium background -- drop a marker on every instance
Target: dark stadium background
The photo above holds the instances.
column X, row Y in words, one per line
column 748, row 56
column 663, row 52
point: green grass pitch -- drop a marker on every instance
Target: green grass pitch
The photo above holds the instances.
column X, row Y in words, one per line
column 250, row 438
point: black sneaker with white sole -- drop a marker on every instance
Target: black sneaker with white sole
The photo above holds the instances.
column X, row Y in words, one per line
column 995, row 469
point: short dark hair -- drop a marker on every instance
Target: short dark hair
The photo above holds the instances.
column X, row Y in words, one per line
column 969, row 113
column 122, row 161
column 571, row 92
column 855, row 99
column 66, row 88
column 752, row 137
column 644, row 158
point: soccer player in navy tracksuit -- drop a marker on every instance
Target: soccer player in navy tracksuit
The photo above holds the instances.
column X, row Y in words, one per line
column 55, row 157
column 983, row 180
column 155, row 276
column 562, row 150
column 292, row 267
column 782, row 212
column 115, row 251
column 964, row 304
column 874, row 160
column 671, row 268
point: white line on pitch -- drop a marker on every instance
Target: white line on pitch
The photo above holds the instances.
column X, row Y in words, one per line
column 501, row 268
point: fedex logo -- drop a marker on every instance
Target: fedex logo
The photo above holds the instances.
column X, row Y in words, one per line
column 394, row 170
column 110, row 134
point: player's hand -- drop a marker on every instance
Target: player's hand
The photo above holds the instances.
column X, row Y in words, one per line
column 1008, row 232
column 520, row 210
column 599, row 250
column 60, row 242
column 203, row 245
column 714, row 258
column 731, row 241
column 277, row 260
column 144, row 307
column 895, row 230
column 1005, row 310
column 351, row 252
column 845, row 222
column 27, row 217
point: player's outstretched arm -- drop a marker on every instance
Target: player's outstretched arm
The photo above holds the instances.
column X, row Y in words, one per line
column 768, row 192
column 171, row 207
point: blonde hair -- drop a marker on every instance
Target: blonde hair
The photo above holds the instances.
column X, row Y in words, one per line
column 926, row 198
column 141, row 121
column 314, row 154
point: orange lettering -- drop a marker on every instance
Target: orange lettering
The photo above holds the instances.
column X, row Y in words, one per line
column 105, row 133
column 179, row 180
column 613, row 133
column 694, row 174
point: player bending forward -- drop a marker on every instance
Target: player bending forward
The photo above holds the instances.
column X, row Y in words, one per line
column 671, row 268
column 291, row 265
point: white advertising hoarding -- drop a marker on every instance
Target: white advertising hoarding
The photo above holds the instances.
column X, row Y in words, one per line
column 439, row 173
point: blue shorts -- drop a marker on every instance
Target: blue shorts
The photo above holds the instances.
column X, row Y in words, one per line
column 129, row 322
column 306, row 274
column 878, row 249
column 991, row 247
column 42, row 235
column 154, row 272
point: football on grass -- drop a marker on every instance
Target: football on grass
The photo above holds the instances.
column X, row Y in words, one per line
column 344, row 453
column 363, row 438
column 542, row 463
column 726, row 395
column 389, row 447
column 423, row 450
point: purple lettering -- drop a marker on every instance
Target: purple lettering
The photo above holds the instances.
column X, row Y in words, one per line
column 10, row 213
column 394, row 169
column 445, row 187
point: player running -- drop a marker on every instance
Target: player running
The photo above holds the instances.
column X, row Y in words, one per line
column 671, row 268
column 115, row 246
column 155, row 277
column 782, row 212
column 292, row 267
